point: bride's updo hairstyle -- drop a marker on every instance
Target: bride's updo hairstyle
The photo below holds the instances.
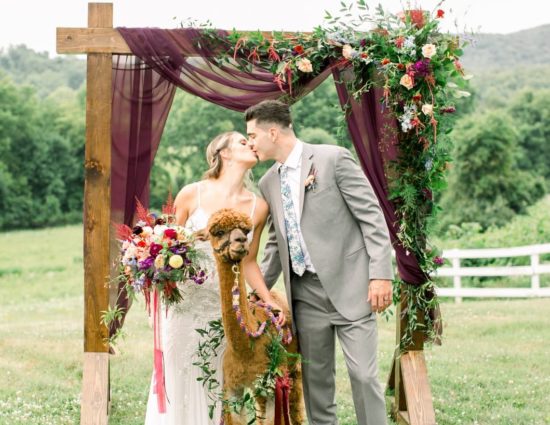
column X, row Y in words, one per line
column 213, row 157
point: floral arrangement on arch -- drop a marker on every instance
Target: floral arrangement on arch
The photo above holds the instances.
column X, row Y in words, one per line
column 418, row 68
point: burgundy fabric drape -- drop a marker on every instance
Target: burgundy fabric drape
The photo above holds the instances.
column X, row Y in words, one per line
column 373, row 132
column 140, row 105
column 185, row 59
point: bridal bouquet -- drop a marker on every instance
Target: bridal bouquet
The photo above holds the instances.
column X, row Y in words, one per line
column 157, row 254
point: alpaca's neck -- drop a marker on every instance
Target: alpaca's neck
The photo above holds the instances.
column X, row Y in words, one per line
column 235, row 336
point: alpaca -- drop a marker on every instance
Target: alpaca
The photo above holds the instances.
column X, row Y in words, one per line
column 245, row 358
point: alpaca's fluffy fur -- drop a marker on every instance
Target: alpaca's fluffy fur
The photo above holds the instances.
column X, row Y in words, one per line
column 243, row 361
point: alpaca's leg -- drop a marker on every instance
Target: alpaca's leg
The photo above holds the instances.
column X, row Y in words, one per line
column 297, row 409
column 264, row 416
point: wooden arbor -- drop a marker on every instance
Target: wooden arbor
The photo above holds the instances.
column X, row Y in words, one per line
column 412, row 403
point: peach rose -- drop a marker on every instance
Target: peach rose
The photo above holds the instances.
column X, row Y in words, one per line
column 407, row 81
column 304, row 65
column 428, row 50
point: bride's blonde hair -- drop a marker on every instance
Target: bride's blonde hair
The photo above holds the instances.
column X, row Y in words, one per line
column 214, row 159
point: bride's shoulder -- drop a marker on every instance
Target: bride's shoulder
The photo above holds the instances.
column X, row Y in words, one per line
column 187, row 194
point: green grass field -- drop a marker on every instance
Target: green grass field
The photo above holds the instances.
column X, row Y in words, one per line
column 494, row 366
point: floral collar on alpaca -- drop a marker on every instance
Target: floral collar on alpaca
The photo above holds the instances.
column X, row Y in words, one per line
column 311, row 180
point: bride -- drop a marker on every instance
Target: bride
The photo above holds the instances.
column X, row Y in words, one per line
column 224, row 185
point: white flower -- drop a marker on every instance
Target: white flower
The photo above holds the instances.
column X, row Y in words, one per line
column 304, row 65
column 147, row 230
column 409, row 42
column 428, row 50
column 427, row 109
column 159, row 229
column 348, row 52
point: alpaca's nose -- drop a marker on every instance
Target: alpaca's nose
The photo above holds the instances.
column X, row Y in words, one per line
column 239, row 236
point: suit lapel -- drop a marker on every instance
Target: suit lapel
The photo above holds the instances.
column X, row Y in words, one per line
column 307, row 161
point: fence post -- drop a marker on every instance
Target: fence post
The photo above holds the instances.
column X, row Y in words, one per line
column 457, row 283
column 535, row 277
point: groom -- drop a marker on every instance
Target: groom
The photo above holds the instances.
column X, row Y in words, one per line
column 328, row 236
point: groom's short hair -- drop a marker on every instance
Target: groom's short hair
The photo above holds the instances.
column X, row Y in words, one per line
column 269, row 111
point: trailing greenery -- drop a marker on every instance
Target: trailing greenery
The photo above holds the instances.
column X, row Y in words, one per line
column 263, row 386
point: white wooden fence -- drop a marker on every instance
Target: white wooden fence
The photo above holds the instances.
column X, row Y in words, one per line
column 457, row 272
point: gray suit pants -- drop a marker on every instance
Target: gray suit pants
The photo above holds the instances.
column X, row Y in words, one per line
column 317, row 324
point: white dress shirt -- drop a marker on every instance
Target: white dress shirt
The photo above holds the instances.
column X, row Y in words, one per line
column 294, row 164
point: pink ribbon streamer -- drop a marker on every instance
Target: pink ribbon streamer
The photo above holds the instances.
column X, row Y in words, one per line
column 159, row 387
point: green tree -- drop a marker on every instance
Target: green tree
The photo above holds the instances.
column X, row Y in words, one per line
column 486, row 185
column 531, row 114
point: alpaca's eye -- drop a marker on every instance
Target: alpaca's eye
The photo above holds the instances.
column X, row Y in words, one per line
column 219, row 233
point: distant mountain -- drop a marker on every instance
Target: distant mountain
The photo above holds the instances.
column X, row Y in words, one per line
column 508, row 51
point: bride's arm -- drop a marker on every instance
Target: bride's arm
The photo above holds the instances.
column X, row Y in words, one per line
column 252, row 272
column 184, row 198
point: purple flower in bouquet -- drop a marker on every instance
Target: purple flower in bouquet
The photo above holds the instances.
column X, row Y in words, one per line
column 422, row 68
column 199, row 277
column 147, row 263
column 439, row 261
column 179, row 249
column 155, row 249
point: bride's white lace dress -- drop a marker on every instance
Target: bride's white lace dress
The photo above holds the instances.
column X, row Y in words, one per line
column 187, row 400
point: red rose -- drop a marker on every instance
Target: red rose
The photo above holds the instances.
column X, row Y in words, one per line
column 155, row 249
column 299, row 49
column 400, row 66
column 364, row 55
column 385, row 61
column 141, row 244
column 417, row 97
column 440, row 13
column 170, row 234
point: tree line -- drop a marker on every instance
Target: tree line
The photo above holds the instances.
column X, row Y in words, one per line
column 500, row 142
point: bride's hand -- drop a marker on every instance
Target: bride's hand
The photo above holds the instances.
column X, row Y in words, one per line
column 277, row 311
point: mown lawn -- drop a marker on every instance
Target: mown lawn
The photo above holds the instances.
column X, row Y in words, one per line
column 494, row 366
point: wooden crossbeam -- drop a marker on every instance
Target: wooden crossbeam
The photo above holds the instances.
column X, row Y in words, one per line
column 109, row 40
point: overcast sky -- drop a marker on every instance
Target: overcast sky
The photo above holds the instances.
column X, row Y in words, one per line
column 33, row 22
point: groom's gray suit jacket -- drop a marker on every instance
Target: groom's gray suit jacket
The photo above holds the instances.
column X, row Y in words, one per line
column 342, row 225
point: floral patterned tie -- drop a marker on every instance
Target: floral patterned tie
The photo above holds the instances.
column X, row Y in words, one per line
column 292, row 229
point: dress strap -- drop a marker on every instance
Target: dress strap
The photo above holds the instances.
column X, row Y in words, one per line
column 253, row 206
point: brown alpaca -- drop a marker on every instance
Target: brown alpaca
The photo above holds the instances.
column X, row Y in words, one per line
column 243, row 361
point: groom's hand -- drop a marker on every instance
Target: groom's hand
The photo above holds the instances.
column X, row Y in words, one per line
column 380, row 294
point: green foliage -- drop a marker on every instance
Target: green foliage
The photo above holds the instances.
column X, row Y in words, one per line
column 486, row 185
column 41, row 151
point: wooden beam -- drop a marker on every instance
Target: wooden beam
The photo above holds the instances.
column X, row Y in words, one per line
column 95, row 384
column 109, row 40
column 90, row 40
column 417, row 388
column 97, row 190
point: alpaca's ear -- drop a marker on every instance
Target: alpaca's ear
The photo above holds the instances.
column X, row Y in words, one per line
column 202, row 235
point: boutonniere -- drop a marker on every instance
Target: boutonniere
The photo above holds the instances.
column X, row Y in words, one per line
column 311, row 180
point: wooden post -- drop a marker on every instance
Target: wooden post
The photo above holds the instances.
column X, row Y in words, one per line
column 411, row 401
column 97, row 207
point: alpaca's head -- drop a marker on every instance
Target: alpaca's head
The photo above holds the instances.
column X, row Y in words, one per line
column 228, row 229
